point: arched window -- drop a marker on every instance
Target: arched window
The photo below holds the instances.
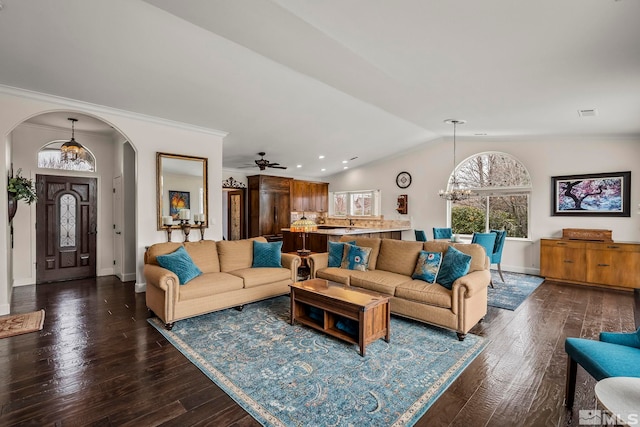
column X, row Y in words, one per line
column 49, row 158
column 500, row 187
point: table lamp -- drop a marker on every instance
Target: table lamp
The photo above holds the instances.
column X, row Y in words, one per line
column 303, row 226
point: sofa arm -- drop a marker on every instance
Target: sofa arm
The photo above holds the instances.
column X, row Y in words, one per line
column 628, row 339
column 163, row 279
column 318, row 262
column 292, row 262
column 472, row 283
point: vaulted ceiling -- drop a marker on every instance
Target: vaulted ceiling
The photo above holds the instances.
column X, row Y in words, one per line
column 344, row 79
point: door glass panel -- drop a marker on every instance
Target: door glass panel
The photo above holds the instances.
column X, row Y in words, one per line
column 67, row 221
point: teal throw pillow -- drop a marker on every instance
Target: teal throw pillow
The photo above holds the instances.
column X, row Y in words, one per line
column 355, row 257
column 455, row 264
column 267, row 254
column 180, row 263
column 336, row 249
column 427, row 266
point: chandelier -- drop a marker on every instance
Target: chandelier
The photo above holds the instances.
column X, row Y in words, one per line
column 72, row 150
column 454, row 192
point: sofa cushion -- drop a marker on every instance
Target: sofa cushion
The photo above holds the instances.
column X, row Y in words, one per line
column 151, row 254
column 427, row 266
column 204, row 254
column 398, row 256
column 436, row 246
column 367, row 242
column 384, row 282
column 210, row 284
column 355, row 257
column 423, row 292
column 478, row 256
column 253, row 277
column 335, row 274
column 236, row 254
column 267, row 254
column 336, row 250
column 180, row 263
column 455, row 264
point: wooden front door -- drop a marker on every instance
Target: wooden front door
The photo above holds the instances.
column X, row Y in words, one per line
column 66, row 216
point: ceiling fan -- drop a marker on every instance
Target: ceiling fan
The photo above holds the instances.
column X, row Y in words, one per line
column 263, row 163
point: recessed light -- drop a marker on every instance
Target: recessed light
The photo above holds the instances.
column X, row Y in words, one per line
column 321, row 156
column 480, row 134
column 323, row 169
column 346, row 167
column 298, row 166
column 345, row 161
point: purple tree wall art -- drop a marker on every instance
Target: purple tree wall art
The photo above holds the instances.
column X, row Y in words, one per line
column 605, row 194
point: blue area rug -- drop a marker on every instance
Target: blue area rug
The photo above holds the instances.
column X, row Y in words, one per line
column 514, row 291
column 287, row 375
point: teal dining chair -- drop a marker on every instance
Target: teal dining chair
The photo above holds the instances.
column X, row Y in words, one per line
column 442, row 233
column 421, row 236
column 496, row 255
column 487, row 241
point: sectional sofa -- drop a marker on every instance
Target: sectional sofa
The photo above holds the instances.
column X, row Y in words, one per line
column 391, row 265
column 227, row 280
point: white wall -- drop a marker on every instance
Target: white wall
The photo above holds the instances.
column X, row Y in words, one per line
column 431, row 164
column 146, row 134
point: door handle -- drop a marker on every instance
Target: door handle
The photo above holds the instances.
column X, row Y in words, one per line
column 118, row 232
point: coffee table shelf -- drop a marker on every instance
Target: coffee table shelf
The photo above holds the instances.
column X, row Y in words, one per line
column 367, row 313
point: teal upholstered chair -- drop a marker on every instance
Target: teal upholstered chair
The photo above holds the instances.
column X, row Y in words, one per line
column 615, row 355
column 421, row 236
column 442, row 233
column 496, row 255
column 487, row 241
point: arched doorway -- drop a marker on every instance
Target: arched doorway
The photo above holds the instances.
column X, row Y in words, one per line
column 113, row 163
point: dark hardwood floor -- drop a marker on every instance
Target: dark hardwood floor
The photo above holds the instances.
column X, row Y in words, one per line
column 98, row 362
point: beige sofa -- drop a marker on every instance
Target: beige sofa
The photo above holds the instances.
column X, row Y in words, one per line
column 227, row 279
column 391, row 264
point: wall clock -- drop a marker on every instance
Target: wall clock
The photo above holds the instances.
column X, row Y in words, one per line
column 403, row 180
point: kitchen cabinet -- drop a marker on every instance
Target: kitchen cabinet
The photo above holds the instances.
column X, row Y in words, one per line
column 269, row 205
column 308, row 196
column 593, row 263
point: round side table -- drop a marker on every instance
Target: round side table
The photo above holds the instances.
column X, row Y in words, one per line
column 620, row 397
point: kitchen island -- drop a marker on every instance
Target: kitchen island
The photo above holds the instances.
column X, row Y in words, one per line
column 317, row 240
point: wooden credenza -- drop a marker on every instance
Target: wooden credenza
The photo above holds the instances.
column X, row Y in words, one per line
column 612, row 264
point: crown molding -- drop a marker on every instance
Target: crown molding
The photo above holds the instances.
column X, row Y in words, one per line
column 101, row 109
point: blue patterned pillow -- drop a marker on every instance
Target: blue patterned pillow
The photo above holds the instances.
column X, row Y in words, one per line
column 355, row 257
column 267, row 254
column 336, row 250
column 455, row 264
column 427, row 266
column 180, row 263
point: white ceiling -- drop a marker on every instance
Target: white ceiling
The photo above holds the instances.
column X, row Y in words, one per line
column 355, row 78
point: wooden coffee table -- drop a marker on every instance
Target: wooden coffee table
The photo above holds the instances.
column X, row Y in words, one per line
column 325, row 306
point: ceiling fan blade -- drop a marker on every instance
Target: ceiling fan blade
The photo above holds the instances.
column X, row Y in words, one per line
column 277, row 167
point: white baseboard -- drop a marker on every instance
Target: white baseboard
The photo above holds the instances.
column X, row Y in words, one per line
column 140, row 287
column 23, row 282
column 128, row 277
column 5, row 309
column 105, row 272
column 514, row 269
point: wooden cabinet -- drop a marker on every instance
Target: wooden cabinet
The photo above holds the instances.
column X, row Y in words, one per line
column 269, row 205
column 307, row 196
column 599, row 263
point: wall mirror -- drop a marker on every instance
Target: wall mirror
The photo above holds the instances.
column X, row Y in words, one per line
column 182, row 186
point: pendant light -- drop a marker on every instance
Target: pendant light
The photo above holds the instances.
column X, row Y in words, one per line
column 454, row 192
column 72, row 150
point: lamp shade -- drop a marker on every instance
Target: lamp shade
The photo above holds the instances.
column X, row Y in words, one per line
column 303, row 225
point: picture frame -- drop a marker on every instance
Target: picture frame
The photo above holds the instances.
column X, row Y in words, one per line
column 599, row 194
column 178, row 200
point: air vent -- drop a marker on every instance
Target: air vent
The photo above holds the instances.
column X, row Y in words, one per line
column 590, row 112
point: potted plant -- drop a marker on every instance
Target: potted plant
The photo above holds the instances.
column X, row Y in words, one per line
column 20, row 188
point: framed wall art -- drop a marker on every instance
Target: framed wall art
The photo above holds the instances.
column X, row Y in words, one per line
column 178, row 200
column 600, row 194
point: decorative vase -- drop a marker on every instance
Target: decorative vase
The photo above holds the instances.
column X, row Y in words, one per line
column 13, row 205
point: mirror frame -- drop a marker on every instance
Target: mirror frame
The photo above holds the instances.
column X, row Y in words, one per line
column 159, row 189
